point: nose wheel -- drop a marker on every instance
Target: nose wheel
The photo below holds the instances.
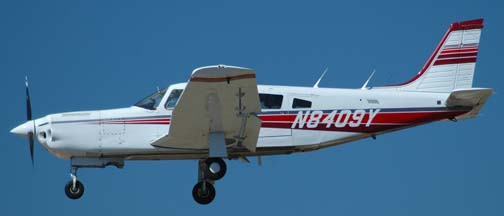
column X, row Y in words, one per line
column 74, row 189
column 209, row 170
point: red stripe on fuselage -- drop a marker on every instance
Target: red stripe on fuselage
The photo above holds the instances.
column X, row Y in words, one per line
column 382, row 121
column 140, row 121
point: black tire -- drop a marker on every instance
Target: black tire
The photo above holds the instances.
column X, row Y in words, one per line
column 203, row 197
column 215, row 175
column 74, row 193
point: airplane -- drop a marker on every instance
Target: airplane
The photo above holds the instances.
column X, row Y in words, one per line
column 221, row 113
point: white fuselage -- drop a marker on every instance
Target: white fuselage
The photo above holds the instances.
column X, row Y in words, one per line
column 335, row 116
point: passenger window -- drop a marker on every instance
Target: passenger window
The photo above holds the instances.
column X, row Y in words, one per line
column 270, row 101
column 299, row 103
column 173, row 98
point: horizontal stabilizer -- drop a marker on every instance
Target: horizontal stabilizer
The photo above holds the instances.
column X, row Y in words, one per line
column 472, row 97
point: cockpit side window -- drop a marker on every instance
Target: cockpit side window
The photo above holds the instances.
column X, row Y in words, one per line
column 173, row 98
column 270, row 101
column 152, row 101
column 300, row 103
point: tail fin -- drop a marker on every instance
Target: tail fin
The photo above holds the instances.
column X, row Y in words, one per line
column 451, row 65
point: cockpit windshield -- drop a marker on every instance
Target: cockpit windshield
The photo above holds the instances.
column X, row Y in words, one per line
column 152, row 101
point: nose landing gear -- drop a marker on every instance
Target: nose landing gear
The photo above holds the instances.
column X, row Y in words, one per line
column 74, row 189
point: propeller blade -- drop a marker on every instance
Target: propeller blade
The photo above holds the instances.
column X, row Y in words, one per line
column 28, row 102
column 31, row 138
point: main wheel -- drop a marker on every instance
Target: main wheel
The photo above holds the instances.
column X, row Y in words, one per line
column 203, row 195
column 74, row 192
column 216, row 168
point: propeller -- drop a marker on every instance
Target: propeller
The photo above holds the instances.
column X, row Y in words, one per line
column 29, row 118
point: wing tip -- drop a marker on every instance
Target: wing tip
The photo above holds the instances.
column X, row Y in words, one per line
column 220, row 66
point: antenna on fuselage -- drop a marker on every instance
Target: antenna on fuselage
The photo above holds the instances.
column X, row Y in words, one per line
column 367, row 81
column 322, row 76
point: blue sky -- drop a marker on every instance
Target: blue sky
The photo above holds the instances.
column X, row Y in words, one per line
column 84, row 55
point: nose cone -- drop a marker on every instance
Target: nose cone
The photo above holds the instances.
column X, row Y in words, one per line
column 23, row 129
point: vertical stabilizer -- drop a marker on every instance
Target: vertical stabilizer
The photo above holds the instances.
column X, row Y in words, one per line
column 451, row 65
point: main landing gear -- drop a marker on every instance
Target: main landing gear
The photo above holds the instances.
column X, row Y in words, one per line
column 209, row 170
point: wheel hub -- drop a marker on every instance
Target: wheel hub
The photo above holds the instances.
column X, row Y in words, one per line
column 215, row 167
column 203, row 193
column 74, row 190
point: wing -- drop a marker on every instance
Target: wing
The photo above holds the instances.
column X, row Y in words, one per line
column 216, row 109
